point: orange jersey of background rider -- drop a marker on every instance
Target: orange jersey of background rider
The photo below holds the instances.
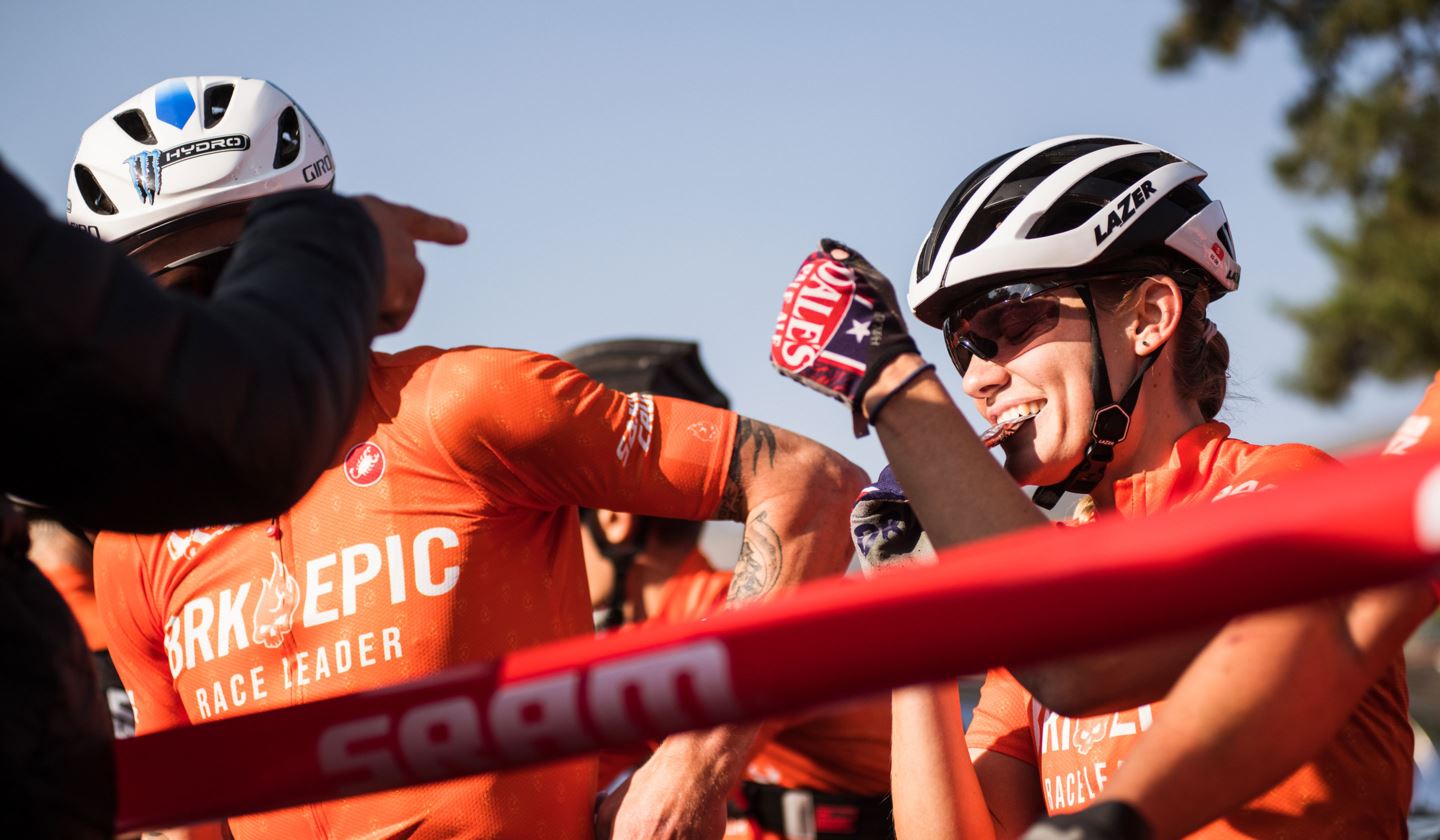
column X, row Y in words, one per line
column 1358, row 786
column 839, row 750
column 446, row 532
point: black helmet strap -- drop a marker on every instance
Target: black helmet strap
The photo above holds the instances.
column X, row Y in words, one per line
column 1111, row 423
column 622, row 557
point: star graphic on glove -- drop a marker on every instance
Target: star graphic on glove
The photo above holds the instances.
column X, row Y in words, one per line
column 859, row 329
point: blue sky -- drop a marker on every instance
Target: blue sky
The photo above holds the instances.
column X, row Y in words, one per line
column 647, row 168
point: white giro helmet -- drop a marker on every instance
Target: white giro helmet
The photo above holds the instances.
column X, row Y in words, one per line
column 1070, row 203
column 189, row 145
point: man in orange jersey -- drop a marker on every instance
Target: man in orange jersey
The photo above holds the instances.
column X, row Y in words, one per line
column 828, row 771
column 444, row 532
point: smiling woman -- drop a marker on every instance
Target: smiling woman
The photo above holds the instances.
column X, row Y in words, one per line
column 1057, row 227
column 1059, row 275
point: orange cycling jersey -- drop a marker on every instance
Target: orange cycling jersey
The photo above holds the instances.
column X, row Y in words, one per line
column 1359, row 786
column 78, row 590
column 445, row 532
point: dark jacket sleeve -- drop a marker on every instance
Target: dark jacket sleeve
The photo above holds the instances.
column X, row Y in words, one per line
column 132, row 408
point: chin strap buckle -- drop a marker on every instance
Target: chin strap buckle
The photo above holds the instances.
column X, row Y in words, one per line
column 1109, row 428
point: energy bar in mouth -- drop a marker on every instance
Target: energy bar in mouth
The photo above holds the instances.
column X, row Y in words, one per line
column 996, row 434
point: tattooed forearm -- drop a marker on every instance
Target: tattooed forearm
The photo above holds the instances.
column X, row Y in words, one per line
column 760, row 439
column 732, row 498
column 761, row 559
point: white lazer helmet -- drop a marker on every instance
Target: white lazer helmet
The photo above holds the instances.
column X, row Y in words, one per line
column 188, row 149
column 1070, row 203
column 1071, row 211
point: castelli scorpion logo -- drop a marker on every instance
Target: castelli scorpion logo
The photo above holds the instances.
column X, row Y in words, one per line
column 275, row 610
column 364, row 464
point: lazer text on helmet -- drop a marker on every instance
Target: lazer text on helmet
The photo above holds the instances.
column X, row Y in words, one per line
column 1124, row 210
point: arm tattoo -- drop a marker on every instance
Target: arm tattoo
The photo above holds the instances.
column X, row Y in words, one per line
column 761, row 438
column 761, row 560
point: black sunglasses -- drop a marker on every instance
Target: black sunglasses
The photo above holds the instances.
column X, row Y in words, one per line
column 1003, row 322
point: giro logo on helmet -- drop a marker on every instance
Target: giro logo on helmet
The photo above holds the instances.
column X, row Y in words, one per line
column 1124, row 210
column 316, row 169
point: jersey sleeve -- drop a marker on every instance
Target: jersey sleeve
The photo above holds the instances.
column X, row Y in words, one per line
column 535, row 430
column 136, row 639
column 1001, row 720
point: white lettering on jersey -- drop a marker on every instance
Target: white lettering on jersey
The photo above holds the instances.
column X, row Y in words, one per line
column 1085, row 737
column 232, row 620
column 213, row 626
column 1056, row 733
column 1409, row 434
column 187, row 544
column 302, row 668
column 198, row 615
column 1250, row 486
column 173, row 650
column 639, row 425
column 350, row 578
column 314, row 588
column 423, row 580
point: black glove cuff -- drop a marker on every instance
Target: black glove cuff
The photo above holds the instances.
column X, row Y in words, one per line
column 894, row 347
column 902, row 385
column 1104, row 821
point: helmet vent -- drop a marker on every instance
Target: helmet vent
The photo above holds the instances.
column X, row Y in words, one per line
column 951, row 210
column 133, row 123
column 1096, row 190
column 1190, row 197
column 217, row 102
column 1126, row 171
column 1048, row 162
column 1224, row 234
column 287, row 143
column 95, row 197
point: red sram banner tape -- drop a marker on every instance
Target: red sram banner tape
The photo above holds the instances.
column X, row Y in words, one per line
column 1025, row 597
